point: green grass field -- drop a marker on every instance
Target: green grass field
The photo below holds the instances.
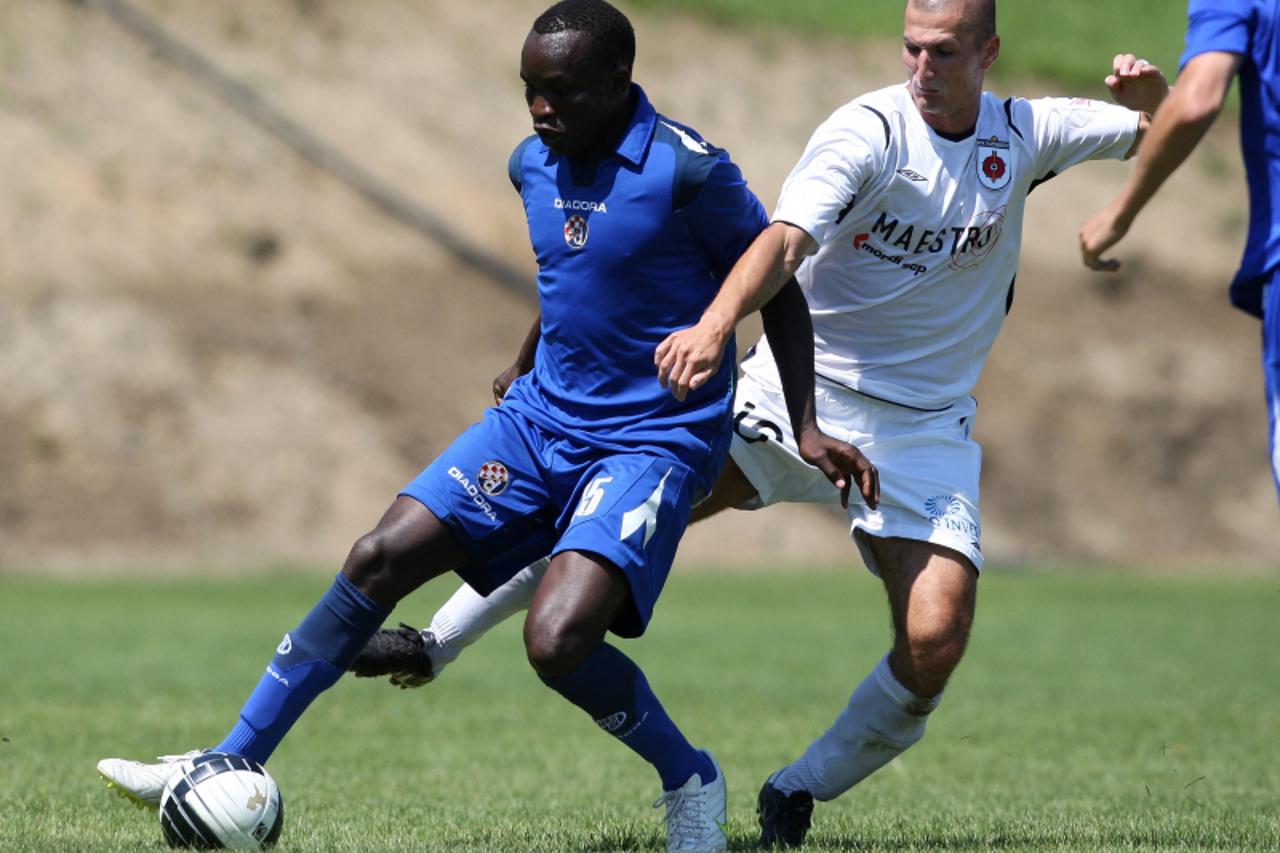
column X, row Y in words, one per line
column 1069, row 42
column 1093, row 713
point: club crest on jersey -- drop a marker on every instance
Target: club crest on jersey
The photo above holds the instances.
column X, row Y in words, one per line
column 993, row 163
column 576, row 231
column 494, row 478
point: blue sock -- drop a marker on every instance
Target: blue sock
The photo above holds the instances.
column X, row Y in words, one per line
column 613, row 690
column 309, row 660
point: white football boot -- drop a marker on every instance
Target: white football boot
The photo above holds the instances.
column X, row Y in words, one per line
column 142, row 784
column 696, row 813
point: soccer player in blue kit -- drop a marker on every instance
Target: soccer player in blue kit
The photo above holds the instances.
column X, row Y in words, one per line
column 1224, row 38
column 635, row 222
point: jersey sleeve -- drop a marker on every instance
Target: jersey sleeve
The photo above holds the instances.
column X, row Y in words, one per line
column 1216, row 25
column 515, row 164
column 726, row 216
column 1068, row 131
column 842, row 156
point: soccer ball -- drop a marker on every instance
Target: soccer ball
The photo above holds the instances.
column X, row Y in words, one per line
column 220, row 800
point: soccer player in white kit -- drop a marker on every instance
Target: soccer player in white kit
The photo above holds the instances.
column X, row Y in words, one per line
column 902, row 222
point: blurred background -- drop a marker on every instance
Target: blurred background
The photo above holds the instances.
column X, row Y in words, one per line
column 215, row 354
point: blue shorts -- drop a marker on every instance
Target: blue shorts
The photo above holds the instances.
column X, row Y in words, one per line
column 512, row 492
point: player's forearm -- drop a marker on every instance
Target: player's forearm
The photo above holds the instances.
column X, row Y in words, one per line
column 1174, row 134
column 759, row 275
column 1176, row 129
column 789, row 328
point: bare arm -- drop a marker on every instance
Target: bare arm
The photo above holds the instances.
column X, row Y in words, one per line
column 763, row 278
column 523, row 363
column 689, row 357
column 790, row 331
column 1177, row 128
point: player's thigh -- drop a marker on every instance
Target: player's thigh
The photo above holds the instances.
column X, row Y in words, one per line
column 489, row 491
column 408, row 547
column 932, row 589
column 732, row 489
column 929, row 468
column 630, row 510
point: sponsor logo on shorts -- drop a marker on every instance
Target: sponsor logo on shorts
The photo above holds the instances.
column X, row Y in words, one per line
column 286, row 645
column 947, row 512
column 494, row 478
column 475, row 493
column 752, row 428
column 576, row 231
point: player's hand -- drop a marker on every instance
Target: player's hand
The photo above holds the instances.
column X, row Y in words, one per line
column 1099, row 233
column 842, row 463
column 1136, row 83
column 503, row 381
column 689, row 357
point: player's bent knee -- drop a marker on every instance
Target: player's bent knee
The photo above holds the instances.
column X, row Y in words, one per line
column 554, row 650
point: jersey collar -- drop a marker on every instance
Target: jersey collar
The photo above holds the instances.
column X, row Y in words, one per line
column 634, row 144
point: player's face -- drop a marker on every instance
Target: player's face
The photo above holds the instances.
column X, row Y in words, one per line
column 574, row 104
column 946, row 65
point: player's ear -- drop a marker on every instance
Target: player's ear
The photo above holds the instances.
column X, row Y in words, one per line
column 990, row 52
column 620, row 81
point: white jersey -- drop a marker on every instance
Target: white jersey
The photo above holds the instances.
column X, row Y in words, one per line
column 918, row 236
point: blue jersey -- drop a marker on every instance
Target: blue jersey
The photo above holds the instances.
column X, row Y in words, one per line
column 631, row 248
column 1248, row 28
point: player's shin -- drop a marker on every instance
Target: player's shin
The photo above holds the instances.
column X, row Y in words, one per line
column 308, row 661
column 612, row 689
column 882, row 720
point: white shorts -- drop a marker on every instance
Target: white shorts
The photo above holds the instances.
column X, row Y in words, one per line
column 928, row 463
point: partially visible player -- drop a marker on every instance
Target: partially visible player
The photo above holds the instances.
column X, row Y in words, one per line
column 1225, row 38
column 635, row 222
column 903, row 223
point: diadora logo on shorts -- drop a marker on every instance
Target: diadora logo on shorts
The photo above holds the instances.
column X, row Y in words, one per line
column 494, row 478
column 475, row 493
column 286, row 645
column 613, row 722
column 993, row 163
column 576, row 231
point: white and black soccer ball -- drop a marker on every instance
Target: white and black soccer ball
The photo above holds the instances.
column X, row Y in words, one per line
column 217, row 800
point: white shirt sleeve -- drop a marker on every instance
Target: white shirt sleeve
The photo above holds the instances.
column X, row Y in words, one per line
column 842, row 157
column 1071, row 130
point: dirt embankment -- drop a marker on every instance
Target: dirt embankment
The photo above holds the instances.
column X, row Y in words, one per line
column 214, row 354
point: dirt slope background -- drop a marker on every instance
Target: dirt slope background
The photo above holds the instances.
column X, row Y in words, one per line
column 212, row 354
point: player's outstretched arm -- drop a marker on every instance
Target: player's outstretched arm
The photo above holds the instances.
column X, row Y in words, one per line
column 689, row 357
column 1178, row 126
column 789, row 328
column 523, row 363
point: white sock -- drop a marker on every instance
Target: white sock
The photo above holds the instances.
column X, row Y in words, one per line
column 882, row 719
column 466, row 616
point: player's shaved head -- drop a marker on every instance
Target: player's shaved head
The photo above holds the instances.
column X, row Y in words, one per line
column 979, row 16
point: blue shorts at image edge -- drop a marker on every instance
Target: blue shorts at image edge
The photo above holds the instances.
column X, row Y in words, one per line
column 512, row 492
